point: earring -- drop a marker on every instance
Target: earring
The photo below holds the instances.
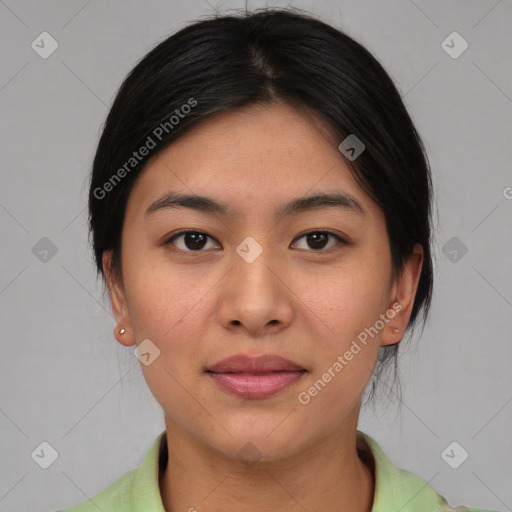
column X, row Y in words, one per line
column 121, row 331
column 395, row 330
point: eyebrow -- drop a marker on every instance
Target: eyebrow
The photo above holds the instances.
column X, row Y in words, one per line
column 340, row 200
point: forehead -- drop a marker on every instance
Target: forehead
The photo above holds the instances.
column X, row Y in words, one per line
column 251, row 159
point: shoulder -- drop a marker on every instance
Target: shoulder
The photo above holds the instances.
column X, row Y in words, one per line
column 418, row 493
column 399, row 489
column 135, row 491
column 112, row 499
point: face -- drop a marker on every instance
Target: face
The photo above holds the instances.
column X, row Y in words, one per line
column 305, row 284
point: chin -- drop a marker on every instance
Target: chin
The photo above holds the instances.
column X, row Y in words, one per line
column 264, row 443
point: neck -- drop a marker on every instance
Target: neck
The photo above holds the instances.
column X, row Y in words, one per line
column 331, row 475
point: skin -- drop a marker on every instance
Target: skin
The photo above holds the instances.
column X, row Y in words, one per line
column 304, row 303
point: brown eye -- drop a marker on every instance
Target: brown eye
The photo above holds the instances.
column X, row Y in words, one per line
column 317, row 240
column 196, row 241
column 193, row 241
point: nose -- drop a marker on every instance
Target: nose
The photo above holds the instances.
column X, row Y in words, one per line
column 255, row 296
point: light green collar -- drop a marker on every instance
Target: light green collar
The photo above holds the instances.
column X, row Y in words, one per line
column 395, row 489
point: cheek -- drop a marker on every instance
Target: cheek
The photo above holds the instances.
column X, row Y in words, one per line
column 169, row 310
column 166, row 307
column 347, row 299
column 345, row 355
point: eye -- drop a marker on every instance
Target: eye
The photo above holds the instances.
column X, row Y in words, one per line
column 317, row 239
column 193, row 241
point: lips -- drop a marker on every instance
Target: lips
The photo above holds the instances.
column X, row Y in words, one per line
column 254, row 365
column 255, row 377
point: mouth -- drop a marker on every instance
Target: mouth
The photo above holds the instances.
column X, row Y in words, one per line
column 255, row 385
column 266, row 363
column 255, row 377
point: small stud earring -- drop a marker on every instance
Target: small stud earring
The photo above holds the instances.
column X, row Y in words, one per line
column 395, row 330
column 121, row 331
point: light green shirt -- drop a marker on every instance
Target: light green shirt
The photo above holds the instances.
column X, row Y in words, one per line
column 395, row 489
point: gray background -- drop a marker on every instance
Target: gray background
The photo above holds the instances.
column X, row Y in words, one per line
column 64, row 378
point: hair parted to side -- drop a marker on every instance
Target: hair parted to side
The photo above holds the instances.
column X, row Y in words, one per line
column 226, row 62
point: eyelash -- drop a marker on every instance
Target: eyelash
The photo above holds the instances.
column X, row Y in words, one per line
column 185, row 231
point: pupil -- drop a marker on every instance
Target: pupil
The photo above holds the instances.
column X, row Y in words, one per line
column 196, row 240
column 313, row 236
column 194, row 237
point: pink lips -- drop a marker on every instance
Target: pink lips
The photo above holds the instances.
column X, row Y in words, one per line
column 255, row 377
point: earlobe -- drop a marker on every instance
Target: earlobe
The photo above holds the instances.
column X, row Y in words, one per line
column 393, row 334
column 402, row 297
column 123, row 336
column 122, row 330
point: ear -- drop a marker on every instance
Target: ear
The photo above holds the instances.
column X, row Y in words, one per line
column 403, row 293
column 118, row 303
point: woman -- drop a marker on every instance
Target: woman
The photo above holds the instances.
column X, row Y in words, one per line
column 260, row 211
